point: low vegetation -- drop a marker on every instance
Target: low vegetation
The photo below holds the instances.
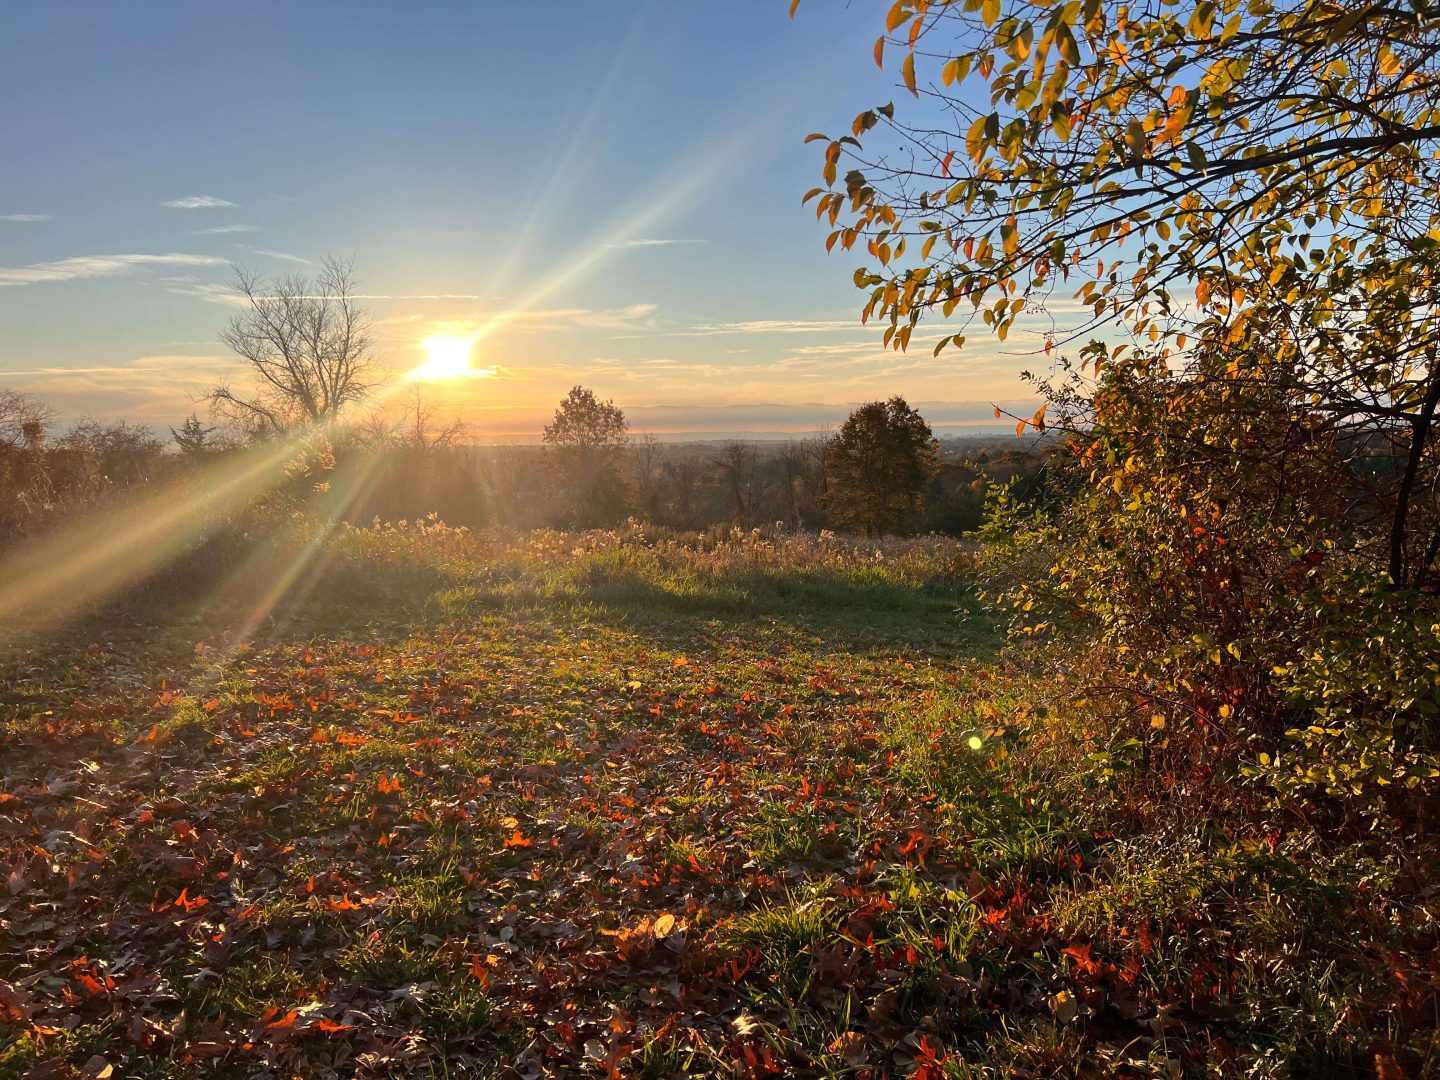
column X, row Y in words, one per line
column 650, row 804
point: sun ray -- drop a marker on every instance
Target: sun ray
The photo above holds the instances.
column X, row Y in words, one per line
column 682, row 186
column 94, row 559
column 298, row 575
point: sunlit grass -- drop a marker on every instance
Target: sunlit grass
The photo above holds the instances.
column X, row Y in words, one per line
column 455, row 770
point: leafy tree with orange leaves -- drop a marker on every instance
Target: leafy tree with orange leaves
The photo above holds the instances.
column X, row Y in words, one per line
column 1259, row 177
column 1238, row 207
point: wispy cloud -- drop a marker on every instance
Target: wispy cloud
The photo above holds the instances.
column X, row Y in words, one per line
column 419, row 296
column 776, row 326
column 223, row 230
column 197, row 202
column 168, row 364
column 763, row 326
column 645, row 241
column 226, row 294
column 27, row 217
column 155, row 388
column 285, row 256
column 212, row 292
column 96, row 266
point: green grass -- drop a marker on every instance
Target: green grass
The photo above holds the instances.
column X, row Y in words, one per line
column 445, row 808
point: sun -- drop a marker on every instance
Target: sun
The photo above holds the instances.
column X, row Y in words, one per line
column 445, row 358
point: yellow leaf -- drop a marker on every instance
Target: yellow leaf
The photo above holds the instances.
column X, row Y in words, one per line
column 907, row 72
column 975, row 143
column 880, row 52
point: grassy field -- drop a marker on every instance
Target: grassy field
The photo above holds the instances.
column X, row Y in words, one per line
column 615, row 804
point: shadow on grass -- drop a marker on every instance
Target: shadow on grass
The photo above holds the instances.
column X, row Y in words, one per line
column 940, row 616
column 235, row 587
column 243, row 588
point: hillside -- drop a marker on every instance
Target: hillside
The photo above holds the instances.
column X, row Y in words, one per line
column 640, row 805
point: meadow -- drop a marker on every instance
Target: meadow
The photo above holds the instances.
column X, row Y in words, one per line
column 636, row 803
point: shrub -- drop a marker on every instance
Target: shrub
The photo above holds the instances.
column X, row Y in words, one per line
column 1230, row 606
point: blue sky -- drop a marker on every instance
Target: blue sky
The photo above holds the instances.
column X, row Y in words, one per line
column 620, row 182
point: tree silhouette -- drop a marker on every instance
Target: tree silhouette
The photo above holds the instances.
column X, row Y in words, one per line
column 193, row 437
column 583, row 446
column 308, row 344
column 877, row 467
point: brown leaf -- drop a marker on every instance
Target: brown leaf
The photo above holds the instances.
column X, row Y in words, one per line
column 850, row 1044
column 14, row 1005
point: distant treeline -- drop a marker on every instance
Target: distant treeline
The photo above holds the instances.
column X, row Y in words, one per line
column 407, row 469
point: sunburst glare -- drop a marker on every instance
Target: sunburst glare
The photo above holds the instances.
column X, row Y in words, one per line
column 446, row 358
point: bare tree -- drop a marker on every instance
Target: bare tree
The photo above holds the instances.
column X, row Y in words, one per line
column 510, row 476
column 803, row 465
column 645, row 459
column 412, row 424
column 424, row 427
column 306, row 341
column 735, row 466
column 684, row 478
column 22, row 419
